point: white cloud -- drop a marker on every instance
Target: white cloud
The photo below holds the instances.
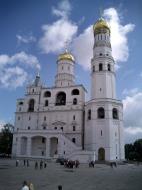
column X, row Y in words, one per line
column 63, row 30
column 119, row 39
column 133, row 116
column 82, row 46
column 14, row 69
column 25, row 39
column 130, row 92
column 132, row 133
column 63, row 9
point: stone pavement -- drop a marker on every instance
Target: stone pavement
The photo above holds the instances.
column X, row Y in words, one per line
column 102, row 177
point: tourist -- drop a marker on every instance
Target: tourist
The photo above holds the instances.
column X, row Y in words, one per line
column 59, row 187
column 17, row 163
column 25, row 186
column 31, row 186
column 36, row 165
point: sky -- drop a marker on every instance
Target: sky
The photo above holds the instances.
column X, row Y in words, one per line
column 33, row 33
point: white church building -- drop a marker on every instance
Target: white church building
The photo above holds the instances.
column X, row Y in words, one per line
column 52, row 122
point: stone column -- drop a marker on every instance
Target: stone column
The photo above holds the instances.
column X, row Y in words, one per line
column 29, row 147
column 47, row 147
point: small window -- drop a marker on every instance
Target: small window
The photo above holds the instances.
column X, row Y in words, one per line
column 55, row 128
column 100, row 67
column 47, row 94
column 101, row 113
column 73, row 140
column 44, row 127
column 73, row 117
column 64, row 152
column 107, row 54
column 108, row 67
column 115, row 113
column 89, row 114
column 44, row 118
column 74, row 101
column 74, row 128
column 33, row 90
column 31, row 105
column 46, row 103
column 62, row 128
column 20, row 103
column 75, row 92
column 101, row 54
column 18, row 117
column 43, row 140
column 20, row 109
column 29, row 118
column 29, row 128
column 101, row 133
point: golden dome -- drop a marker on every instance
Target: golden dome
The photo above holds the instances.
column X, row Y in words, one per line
column 99, row 25
column 66, row 56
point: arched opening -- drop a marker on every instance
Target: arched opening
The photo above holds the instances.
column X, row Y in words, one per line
column 101, row 113
column 38, row 144
column 74, row 101
column 61, row 99
column 89, row 114
column 46, row 103
column 108, row 67
column 115, row 113
column 101, row 154
column 73, row 140
column 53, row 146
column 23, row 145
column 100, row 67
column 47, row 94
column 75, row 92
column 31, row 105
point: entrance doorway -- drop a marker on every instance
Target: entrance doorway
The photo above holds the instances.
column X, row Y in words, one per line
column 101, row 154
column 53, row 146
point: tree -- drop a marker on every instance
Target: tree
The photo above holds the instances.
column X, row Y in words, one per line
column 134, row 151
column 6, row 139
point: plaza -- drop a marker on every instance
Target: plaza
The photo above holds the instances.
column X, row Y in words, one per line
column 124, row 177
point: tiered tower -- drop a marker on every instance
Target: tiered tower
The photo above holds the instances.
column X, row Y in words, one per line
column 104, row 117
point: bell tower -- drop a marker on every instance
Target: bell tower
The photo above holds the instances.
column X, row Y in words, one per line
column 102, row 63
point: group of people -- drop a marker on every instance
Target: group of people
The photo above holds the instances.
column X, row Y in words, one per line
column 40, row 164
column 30, row 186
column 25, row 163
column 71, row 163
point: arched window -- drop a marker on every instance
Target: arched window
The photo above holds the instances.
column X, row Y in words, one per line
column 74, row 128
column 115, row 113
column 47, row 94
column 108, row 67
column 75, row 92
column 89, row 114
column 74, row 101
column 101, row 113
column 73, row 140
column 61, row 99
column 46, row 102
column 100, row 67
column 93, row 68
column 31, row 105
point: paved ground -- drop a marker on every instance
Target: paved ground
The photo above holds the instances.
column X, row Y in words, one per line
column 102, row 177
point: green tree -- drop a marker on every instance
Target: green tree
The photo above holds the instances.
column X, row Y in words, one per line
column 6, row 139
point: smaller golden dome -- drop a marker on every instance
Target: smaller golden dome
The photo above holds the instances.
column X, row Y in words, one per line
column 66, row 56
column 100, row 25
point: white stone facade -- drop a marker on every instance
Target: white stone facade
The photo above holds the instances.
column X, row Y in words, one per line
column 57, row 122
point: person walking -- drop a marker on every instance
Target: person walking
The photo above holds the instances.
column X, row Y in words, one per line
column 25, row 186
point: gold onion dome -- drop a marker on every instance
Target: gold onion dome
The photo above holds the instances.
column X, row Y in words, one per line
column 66, row 56
column 100, row 25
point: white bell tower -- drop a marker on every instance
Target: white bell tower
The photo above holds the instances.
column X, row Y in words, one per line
column 104, row 113
column 102, row 63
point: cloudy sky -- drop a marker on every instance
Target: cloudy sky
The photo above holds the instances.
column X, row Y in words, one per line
column 34, row 32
